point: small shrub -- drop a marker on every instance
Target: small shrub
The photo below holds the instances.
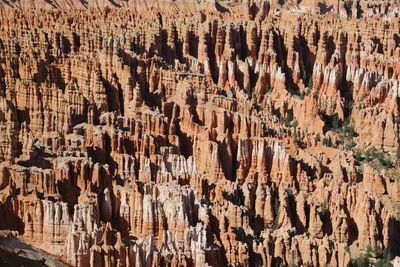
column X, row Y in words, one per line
column 372, row 155
column 350, row 146
column 298, row 142
column 324, row 209
column 307, row 80
column 317, row 138
column 326, row 142
column 275, row 226
column 287, row 123
column 362, row 261
column 335, row 122
column 358, row 156
column 393, row 174
column 349, row 131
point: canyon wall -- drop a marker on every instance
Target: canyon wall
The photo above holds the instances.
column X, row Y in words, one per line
column 165, row 133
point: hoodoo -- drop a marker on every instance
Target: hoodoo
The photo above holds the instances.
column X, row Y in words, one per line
column 199, row 133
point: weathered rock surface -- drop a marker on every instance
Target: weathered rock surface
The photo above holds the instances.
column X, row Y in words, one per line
column 166, row 133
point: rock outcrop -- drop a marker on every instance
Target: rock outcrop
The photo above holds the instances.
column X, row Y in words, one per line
column 180, row 133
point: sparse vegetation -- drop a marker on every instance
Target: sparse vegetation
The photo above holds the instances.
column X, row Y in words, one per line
column 308, row 91
column 393, row 174
column 269, row 90
column 275, row 226
column 382, row 258
column 250, row 92
column 350, row 145
column 288, row 122
column 373, row 155
column 324, row 208
column 362, row 261
column 307, row 80
column 299, row 94
column 324, row 212
column 358, row 156
column 344, row 130
column 313, row 176
column 256, row 106
column 297, row 140
column 335, row 122
column 318, row 138
column 378, row 160
column 326, row 142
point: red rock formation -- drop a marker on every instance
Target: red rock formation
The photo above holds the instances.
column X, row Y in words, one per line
column 250, row 134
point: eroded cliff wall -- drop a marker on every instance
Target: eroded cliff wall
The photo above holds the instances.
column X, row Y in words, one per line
column 180, row 133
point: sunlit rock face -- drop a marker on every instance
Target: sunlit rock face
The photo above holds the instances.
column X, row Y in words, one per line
column 185, row 133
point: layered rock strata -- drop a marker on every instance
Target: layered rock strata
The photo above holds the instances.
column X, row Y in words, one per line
column 132, row 135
